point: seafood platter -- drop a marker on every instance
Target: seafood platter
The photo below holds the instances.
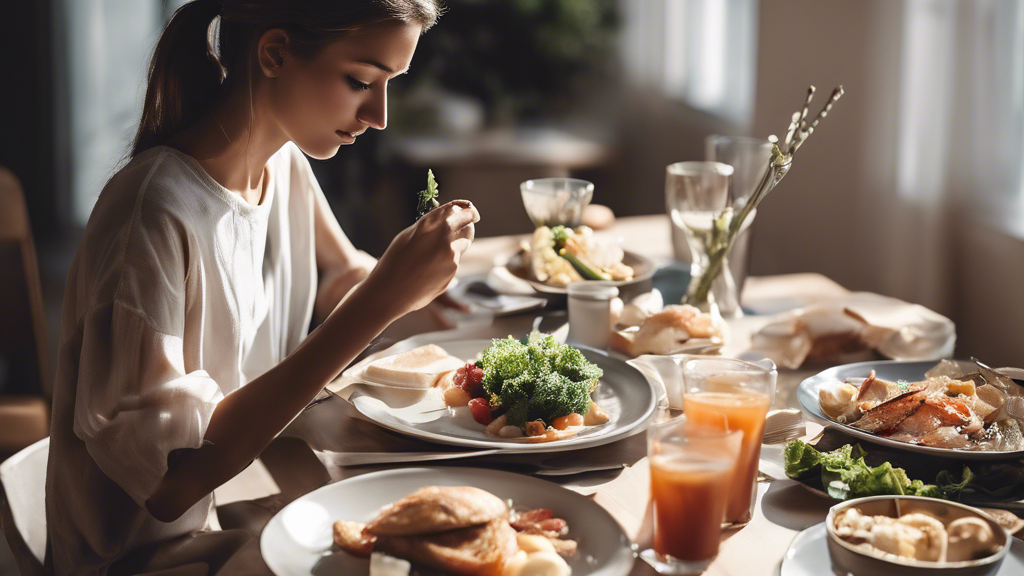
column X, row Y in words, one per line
column 962, row 410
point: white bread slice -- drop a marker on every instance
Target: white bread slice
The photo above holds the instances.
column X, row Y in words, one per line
column 417, row 368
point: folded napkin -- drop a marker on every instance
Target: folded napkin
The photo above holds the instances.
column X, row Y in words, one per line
column 851, row 327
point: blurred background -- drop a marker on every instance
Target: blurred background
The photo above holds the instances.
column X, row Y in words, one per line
column 913, row 187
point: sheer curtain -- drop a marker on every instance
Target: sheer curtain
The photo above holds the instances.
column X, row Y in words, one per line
column 959, row 140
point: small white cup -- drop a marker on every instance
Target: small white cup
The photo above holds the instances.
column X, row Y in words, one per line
column 590, row 313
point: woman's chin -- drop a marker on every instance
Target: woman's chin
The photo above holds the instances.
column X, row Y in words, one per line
column 319, row 151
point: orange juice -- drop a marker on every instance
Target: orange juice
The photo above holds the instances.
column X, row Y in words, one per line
column 690, row 493
column 738, row 410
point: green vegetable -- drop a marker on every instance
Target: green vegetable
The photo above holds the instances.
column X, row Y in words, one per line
column 428, row 197
column 561, row 235
column 844, row 474
column 538, row 378
column 949, row 484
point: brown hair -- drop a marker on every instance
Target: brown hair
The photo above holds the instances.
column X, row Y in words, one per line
column 188, row 75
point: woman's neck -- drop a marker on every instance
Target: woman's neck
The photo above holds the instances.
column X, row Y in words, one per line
column 233, row 144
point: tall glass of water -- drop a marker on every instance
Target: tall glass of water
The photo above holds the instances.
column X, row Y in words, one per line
column 695, row 194
column 749, row 159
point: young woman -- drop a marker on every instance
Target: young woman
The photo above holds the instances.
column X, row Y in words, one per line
column 183, row 345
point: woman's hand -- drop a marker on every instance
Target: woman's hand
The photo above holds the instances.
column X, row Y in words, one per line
column 422, row 260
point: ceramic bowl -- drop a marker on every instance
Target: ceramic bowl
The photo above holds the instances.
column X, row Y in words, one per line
column 846, row 559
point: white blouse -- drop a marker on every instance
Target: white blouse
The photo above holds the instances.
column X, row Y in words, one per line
column 180, row 293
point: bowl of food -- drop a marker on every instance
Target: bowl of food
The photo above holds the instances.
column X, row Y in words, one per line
column 557, row 256
column 914, row 536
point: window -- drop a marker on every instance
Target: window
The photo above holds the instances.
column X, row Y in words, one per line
column 701, row 52
column 109, row 44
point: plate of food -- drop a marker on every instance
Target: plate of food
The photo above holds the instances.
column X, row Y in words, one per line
column 645, row 325
column 953, row 409
column 445, row 521
column 557, row 256
column 533, row 394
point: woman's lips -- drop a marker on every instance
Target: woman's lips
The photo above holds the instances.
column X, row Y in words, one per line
column 347, row 135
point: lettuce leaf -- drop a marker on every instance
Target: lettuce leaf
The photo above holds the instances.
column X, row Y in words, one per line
column 845, row 474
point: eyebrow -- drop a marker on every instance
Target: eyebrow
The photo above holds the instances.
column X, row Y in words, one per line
column 376, row 64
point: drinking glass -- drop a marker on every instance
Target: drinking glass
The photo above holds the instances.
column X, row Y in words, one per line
column 733, row 395
column 749, row 159
column 695, row 194
column 691, row 470
column 556, row 201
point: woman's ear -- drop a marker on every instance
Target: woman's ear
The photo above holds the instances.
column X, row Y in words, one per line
column 272, row 51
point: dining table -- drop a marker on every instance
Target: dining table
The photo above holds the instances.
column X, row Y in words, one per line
column 330, row 441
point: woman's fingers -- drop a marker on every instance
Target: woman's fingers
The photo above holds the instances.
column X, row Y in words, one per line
column 460, row 213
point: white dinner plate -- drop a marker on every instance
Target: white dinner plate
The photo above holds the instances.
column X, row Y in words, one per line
column 808, row 555
column 624, row 393
column 298, row 539
column 891, row 370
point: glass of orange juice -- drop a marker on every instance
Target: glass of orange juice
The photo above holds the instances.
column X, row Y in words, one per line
column 691, row 469
column 734, row 395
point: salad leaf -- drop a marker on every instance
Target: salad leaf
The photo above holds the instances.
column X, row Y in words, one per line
column 428, row 198
column 951, row 486
column 845, row 474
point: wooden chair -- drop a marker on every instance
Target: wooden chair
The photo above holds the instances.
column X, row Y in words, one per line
column 25, row 385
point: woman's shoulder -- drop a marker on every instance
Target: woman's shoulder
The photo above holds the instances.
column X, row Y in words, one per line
column 158, row 182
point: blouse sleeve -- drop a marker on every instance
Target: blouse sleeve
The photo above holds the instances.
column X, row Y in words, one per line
column 135, row 402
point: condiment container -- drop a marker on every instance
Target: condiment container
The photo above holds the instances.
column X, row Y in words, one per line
column 590, row 313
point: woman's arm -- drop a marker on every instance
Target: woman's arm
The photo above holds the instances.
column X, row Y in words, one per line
column 415, row 269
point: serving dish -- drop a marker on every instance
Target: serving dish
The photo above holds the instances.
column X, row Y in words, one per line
column 893, row 370
column 297, row 540
column 849, row 558
column 643, row 272
column 808, row 556
column 624, row 392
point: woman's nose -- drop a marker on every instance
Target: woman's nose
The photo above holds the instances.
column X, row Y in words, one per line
column 374, row 111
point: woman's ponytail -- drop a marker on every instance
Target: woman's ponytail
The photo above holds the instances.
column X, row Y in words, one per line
column 185, row 76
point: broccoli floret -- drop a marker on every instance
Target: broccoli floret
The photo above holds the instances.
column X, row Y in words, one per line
column 556, row 396
column 503, row 360
column 537, row 378
column 518, row 414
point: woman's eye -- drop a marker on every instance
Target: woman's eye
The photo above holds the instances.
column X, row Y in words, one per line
column 357, row 85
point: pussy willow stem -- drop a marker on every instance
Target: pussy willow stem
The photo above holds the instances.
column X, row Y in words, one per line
column 717, row 251
column 778, row 165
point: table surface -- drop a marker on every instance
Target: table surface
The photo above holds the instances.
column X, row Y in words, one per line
column 290, row 468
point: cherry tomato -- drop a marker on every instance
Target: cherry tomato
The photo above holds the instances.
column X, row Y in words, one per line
column 473, row 381
column 481, row 411
column 460, row 378
column 475, row 373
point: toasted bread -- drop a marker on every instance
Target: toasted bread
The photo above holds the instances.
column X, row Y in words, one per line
column 416, row 368
column 353, row 538
column 480, row 550
column 438, row 509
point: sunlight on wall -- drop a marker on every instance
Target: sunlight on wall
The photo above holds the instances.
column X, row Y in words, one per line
column 701, row 52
